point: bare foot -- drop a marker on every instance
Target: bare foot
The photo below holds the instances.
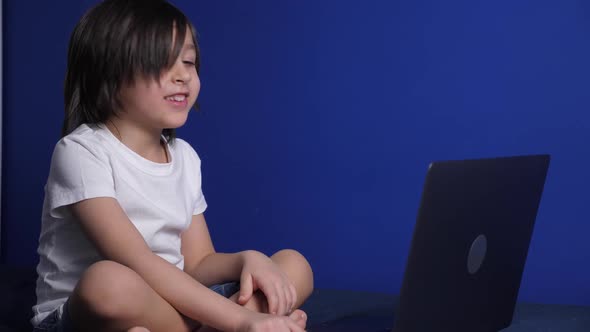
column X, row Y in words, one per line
column 138, row 329
column 300, row 317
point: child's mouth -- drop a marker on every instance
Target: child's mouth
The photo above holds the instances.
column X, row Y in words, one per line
column 177, row 100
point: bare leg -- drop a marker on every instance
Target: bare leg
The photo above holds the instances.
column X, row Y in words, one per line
column 299, row 271
column 112, row 297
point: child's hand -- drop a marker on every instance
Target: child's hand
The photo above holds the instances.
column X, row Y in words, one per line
column 260, row 272
column 258, row 322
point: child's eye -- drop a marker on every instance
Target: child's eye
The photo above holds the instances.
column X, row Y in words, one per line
column 189, row 63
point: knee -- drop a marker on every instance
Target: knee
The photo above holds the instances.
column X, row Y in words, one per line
column 110, row 290
column 297, row 263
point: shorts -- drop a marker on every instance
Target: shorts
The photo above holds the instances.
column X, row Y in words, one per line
column 59, row 320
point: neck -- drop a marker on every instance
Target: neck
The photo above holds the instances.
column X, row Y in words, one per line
column 144, row 141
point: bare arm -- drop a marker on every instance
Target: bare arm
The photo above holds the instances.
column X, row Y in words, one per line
column 108, row 227
column 249, row 267
column 202, row 262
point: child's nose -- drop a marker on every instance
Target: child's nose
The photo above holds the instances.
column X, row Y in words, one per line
column 181, row 75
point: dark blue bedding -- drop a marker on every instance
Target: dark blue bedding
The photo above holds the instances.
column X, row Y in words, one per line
column 17, row 295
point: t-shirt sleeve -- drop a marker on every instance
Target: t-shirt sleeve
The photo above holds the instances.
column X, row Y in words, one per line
column 78, row 172
column 200, row 205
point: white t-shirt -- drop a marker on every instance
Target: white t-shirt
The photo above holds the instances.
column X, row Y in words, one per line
column 159, row 199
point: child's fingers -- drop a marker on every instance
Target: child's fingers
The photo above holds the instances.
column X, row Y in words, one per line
column 287, row 298
column 290, row 302
column 246, row 288
column 293, row 297
column 286, row 301
column 282, row 303
column 281, row 307
column 272, row 296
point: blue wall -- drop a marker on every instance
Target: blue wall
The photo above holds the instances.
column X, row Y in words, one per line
column 319, row 119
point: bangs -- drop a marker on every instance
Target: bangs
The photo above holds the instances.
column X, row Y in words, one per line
column 154, row 42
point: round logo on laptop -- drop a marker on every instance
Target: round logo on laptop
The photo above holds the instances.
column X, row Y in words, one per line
column 477, row 254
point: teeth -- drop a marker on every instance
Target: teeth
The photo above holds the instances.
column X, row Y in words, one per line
column 177, row 98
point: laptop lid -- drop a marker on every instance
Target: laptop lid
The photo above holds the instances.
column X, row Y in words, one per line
column 470, row 244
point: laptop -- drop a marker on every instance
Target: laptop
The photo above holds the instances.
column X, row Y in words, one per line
column 468, row 251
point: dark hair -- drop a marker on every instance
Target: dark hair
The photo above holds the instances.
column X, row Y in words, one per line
column 111, row 44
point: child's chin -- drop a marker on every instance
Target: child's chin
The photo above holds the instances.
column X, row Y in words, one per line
column 176, row 122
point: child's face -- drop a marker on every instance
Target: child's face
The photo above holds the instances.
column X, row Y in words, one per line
column 164, row 104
